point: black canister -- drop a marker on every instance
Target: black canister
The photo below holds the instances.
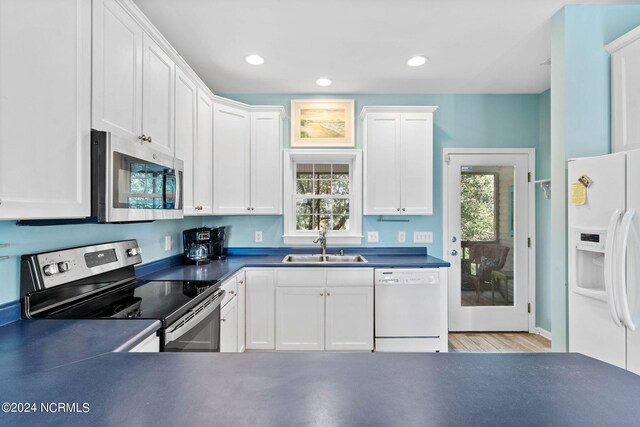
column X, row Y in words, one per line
column 217, row 243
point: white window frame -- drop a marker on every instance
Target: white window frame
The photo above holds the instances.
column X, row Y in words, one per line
column 305, row 237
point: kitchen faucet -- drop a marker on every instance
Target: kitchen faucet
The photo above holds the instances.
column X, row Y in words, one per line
column 323, row 241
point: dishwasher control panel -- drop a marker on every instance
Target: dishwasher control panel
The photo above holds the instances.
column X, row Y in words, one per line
column 413, row 276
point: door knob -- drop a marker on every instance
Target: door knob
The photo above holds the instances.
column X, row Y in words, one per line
column 453, row 252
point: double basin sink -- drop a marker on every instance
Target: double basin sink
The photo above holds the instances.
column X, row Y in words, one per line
column 323, row 259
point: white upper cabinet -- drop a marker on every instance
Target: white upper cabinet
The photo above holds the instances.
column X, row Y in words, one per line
column 398, row 152
column 625, row 91
column 202, row 172
column 185, row 137
column 45, row 122
column 247, row 149
column 266, row 162
column 117, row 70
column 157, row 96
column 231, row 160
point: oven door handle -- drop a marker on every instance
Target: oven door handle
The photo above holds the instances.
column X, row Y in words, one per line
column 186, row 326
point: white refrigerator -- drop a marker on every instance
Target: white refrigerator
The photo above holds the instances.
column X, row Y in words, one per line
column 604, row 258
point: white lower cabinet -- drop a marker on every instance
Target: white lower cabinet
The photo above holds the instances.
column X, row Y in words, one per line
column 229, row 327
column 349, row 318
column 242, row 310
column 300, row 318
column 150, row 344
column 261, row 308
column 324, row 309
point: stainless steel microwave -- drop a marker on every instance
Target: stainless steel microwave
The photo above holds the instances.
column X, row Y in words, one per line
column 131, row 181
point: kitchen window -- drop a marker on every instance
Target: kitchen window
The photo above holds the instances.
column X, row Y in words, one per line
column 323, row 190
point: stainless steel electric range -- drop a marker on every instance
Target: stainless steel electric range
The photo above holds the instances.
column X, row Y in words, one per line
column 98, row 282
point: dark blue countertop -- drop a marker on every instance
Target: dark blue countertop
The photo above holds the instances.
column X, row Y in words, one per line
column 329, row 389
column 28, row 346
column 272, row 257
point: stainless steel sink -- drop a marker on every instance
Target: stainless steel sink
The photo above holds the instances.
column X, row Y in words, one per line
column 323, row 259
column 303, row 258
column 345, row 258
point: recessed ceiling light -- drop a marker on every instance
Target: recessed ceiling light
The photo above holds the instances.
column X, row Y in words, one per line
column 254, row 59
column 323, row 82
column 417, row 61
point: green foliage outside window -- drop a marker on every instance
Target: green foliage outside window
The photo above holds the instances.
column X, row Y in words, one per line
column 477, row 207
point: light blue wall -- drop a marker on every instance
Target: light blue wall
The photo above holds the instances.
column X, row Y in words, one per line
column 460, row 121
column 543, row 216
column 580, row 117
column 24, row 240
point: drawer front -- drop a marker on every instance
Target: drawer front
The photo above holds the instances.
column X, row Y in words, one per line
column 231, row 288
column 302, row 276
column 350, row 276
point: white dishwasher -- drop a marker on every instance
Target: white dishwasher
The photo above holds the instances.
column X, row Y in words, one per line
column 407, row 309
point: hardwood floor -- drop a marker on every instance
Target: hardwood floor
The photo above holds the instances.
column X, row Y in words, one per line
column 497, row 342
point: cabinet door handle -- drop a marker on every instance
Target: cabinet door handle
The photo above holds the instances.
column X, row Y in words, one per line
column 398, row 209
column 403, row 209
column 248, row 209
column 223, row 320
column 328, row 294
column 149, row 139
column 143, row 137
column 321, row 294
column 241, row 282
column 232, row 292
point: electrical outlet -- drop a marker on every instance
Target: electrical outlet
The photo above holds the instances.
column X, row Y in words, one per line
column 168, row 242
column 372, row 236
column 422, row 237
column 258, row 236
column 402, row 237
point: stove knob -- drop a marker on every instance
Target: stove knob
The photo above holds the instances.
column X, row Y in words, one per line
column 50, row 269
column 134, row 251
column 64, row 266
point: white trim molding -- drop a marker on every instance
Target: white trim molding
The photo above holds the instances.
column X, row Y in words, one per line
column 624, row 40
column 396, row 109
column 351, row 156
column 543, row 333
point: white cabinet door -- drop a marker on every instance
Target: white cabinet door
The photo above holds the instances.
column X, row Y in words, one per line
column 625, row 105
column 45, row 105
column 229, row 327
column 185, row 125
column 242, row 310
column 382, row 164
column 417, row 163
column 117, row 71
column 266, row 160
column 261, row 306
column 232, row 161
column 203, row 159
column 349, row 324
column 157, row 96
column 300, row 318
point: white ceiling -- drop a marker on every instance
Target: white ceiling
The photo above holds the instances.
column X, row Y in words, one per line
column 474, row 46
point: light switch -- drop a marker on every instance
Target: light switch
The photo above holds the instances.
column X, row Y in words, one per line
column 258, row 236
column 372, row 236
column 402, row 237
column 168, row 242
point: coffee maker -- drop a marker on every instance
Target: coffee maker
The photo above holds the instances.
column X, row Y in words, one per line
column 217, row 243
column 197, row 245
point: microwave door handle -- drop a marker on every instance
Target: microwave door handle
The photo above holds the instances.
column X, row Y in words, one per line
column 178, row 195
column 180, row 331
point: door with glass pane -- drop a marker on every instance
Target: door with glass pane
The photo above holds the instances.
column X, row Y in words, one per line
column 487, row 229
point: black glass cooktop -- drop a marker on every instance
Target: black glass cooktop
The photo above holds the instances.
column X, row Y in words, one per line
column 165, row 300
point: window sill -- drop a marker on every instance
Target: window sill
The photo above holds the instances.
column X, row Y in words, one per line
column 331, row 240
